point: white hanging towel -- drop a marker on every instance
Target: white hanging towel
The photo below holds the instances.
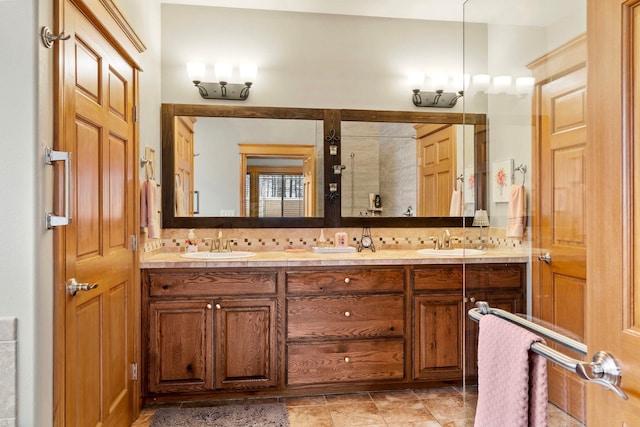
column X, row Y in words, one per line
column 149, row 208
column 179, row 194
column 455, row 209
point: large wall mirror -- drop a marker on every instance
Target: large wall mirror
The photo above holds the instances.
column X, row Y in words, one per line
column 237, row 167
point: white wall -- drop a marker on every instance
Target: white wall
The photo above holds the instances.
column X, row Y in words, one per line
column 308, row 60
column 22, row 221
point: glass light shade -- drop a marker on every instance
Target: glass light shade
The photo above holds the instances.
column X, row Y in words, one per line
column 416, row 80
column 439, row 81
column 460, row 81
column 248, row 73
column 502, row 84
column 481, row 82
column 223, row 72
column 196, row 71
column 481, row 218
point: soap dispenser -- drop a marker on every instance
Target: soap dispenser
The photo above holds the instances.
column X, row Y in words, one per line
column 191, row 242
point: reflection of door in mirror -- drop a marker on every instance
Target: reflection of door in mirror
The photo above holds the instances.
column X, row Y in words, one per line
column 183, row 155
column 436, row 154
column 277, row 180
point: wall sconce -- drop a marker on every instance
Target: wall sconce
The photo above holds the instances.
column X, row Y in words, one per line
column 435, row 98
column 222, row 89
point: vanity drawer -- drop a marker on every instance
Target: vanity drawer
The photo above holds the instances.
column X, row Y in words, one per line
column 345, row 280
column 438, row 277
column 202, row 283
column 345, row 361
column 345, row 317
column 495, row 276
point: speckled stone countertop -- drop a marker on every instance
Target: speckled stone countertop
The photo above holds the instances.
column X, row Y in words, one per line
column 312, row 259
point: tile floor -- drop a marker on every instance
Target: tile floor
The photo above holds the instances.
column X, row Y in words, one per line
column 436, row 407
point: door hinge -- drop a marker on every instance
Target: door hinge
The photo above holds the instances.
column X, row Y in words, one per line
column 135, row 113
column 134, row 371
column 134, row 242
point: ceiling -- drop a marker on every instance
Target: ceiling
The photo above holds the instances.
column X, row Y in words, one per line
column 519, row 12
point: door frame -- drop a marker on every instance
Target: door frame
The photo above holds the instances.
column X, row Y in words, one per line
column 110, row 21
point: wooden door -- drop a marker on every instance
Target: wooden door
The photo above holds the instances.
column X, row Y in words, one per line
column 245, row 343
column 436, row 155
column 560, row 200
column 97, row 347
column 613, row 217
column 183, row 155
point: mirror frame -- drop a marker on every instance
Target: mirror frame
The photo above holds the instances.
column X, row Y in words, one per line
column 332, row 119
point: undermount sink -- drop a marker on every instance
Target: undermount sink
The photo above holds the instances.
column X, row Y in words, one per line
column 451, row 252
column 218, row 255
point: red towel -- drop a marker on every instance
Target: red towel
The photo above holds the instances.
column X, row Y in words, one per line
column 512, row 380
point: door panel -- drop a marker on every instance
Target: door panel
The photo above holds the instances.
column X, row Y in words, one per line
column 613, row 218
column 560, row 229
column 98, row 130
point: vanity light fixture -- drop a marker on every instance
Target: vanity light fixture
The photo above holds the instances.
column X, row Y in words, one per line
column 436, row 97
column 222, row 89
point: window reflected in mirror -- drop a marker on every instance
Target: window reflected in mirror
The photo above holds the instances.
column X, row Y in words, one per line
column 248, row 167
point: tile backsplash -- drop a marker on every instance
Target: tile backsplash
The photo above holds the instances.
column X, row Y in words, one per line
column 7, row 371
column 278, row 239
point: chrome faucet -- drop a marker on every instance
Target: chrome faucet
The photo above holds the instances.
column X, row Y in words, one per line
column 446, row 240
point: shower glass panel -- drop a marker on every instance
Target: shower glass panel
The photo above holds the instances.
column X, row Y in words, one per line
column 525, row 68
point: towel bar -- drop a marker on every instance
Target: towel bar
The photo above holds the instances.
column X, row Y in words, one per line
column 603, row 369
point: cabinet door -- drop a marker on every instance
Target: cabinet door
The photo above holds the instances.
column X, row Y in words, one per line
column 437, row 352
column 180, row 346
column 245, row 343
column 508, row 301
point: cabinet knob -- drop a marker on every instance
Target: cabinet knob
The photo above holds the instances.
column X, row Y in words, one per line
column 218, row 306
column 209, row 306
column 347, row 313
column 472, row 299
column 347, row 359
column 347, row 280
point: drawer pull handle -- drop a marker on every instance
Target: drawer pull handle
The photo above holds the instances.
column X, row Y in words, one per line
column 209, row 307
column 347, row 313
column 218, row 306
column 347, row 359
column 347, row 280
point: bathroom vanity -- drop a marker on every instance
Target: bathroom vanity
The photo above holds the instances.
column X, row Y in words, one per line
column 287, row 324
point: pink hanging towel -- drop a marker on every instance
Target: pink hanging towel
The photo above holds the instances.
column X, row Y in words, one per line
column 512, row 380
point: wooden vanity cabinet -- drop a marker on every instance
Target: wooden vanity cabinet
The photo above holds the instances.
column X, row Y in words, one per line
column 210, row 330
column 345, row 325
column 438, row 306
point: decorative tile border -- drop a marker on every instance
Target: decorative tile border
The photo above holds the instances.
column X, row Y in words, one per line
column 278, row 239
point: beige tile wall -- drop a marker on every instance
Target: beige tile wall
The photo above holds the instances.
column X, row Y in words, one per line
column 7, row 371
